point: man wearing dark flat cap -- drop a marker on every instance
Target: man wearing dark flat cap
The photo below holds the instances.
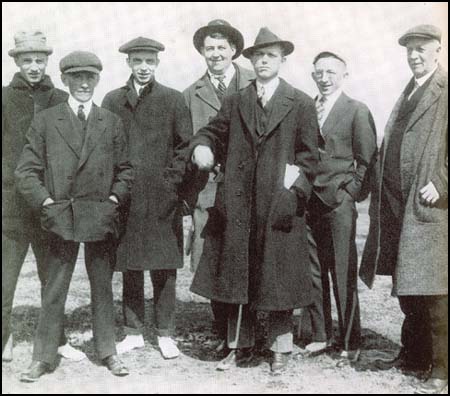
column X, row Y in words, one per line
column 75, row 170
column 408, row 236
column 255, row 256
column 30, row 92
column 219, row 43
column 157, row 122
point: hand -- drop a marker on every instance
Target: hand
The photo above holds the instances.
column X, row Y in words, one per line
column 203, row 157
column 114, row 199
column 429, row 195
column 48, row 201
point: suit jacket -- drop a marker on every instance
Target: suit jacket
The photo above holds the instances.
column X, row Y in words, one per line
column 349, row 146
column 255, row 239
column 78, row 177
column 421, row 266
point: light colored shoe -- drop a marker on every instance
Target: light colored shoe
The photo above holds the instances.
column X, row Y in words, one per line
column 67, row 351
column 129, row 343
column 8, row 352
column 347, row 358
column 168, row 348
column 228, row 362
column 432, row 386
column 316, row 347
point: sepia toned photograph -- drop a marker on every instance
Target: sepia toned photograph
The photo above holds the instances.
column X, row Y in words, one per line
column 224, row 198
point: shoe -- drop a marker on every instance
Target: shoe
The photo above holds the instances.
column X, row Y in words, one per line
column 316, row 348
column 129, row 343
column 221, row 346
column 399, row 363
column 67, row 351
column 228, row 362
column 432, row 386
column 347, row 358
column 279, row 362
column 8, row 352
column 168, row 348
column 35, row 371
column 115, row 365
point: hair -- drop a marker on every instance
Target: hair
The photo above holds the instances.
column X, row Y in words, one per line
column 219, row 35
column 328, row 54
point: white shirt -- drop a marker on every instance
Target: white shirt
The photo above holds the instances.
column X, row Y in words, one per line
column 229, row 74
column 269, row 87
column 328, row 104
column 138, row 87
column 74, row 105
column 418, row 82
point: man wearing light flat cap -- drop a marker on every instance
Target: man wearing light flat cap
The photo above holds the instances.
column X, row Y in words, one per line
column 263, row 134
column 30, row 92
column 75, row 170
column 219, row 43
column 157, row 121
column 408, row 236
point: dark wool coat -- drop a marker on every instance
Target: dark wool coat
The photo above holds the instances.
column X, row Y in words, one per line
column 157, row 123
column 256, row 248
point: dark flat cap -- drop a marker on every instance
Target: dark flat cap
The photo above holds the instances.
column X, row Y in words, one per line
column 421, row 31
column 141, row 44
column 266, row 38
column 223, row 27
column 80, row 61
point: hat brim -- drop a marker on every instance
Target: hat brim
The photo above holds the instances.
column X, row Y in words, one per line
column 233, row 34
column 288, row 48
column 17, row 51
column 136, row 49
column 76, row 69
column 405, row 38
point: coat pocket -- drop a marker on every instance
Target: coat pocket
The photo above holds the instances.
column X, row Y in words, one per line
column 436, row 213
column 284, row 209
column 57, row 218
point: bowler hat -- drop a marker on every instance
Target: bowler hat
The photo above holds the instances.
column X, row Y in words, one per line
column 266, row 38
column 219, row 26
column 141, row 44
column 31, row 41
column 78, row 61
column 421, row 31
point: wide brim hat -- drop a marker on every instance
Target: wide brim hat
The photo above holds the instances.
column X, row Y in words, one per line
column 266, row 38
column 31, row 41
column 421, row 31
column 223, row 27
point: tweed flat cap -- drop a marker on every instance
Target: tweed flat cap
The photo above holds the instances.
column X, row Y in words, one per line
column 141, row 44
column 80, row 61
column 31, row 41
column 421, row 31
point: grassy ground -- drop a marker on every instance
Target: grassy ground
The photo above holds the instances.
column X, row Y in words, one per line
column 194, row 371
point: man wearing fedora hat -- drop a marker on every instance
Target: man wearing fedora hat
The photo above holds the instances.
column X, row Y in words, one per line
column 157, row 122
column 408, row 235
column 219, row 43
column 263, row 134
column 75, row 170
column 30, row 92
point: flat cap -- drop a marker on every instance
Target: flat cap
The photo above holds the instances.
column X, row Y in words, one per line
column 30, row 41
column 141, row 44
column 421, row 31
column 78, row 61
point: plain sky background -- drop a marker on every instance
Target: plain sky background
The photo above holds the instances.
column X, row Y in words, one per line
column 365, row 34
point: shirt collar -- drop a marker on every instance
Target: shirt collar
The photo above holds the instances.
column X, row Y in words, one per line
column 422, row 80
column 269, row 87
column 137, row 86
column 331, row 99
column 229, row 74
column 74, row 105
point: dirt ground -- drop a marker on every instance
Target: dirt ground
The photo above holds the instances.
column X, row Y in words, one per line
column 194, row 371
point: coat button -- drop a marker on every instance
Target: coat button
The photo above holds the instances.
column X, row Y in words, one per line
column 69, row 177
column 72, row 199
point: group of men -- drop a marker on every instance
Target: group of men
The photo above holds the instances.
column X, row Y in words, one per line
column 272, row 176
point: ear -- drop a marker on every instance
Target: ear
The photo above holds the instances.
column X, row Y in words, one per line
column 233, row 49
column 283, row 59
column 313, row 76
column 64, row 79
column 128, row 61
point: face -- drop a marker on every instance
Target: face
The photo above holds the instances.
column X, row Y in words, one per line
column 143, row 65
column 81, row 84
column 267, row 62
column 32, row 66
column 329, row 75
column 423, row 55
column 218, row 53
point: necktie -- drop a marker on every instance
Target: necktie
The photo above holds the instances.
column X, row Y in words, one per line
column 320, row 108
column 221, row 85
column 81, row 114
column 261, row 92
column 141, row 89
column 416, row 87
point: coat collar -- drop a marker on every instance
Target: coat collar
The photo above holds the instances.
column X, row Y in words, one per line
column 131, row 95
column 18, row 82
column 336, row 114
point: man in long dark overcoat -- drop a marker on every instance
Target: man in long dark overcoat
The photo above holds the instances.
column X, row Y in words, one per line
column 408, row 236
column 256, row 254
column 157, row 121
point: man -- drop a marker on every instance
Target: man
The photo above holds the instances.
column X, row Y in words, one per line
column 30, row 92
column 260, row 262
column 347, row 148
column 219, row 43
column 75, row 169
column 157, row 121
column 408, row 236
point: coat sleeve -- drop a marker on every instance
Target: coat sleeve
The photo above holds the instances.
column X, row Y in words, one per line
column 364, row 149
column 306, row 150
column 30, row 170
column 123, row 170
column 440, row 178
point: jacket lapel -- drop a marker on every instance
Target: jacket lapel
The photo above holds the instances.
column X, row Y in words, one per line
column 247, row 107
column 335, row 115
column 65, row 129
column 283, row 100
column 131, row 96
column 244, row 78
column 205, row 91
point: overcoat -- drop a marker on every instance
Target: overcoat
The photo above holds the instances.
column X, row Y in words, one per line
column 255, row 240
column 421, row 267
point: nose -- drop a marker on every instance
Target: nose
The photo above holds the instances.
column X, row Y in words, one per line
column 34, row 67
column 84, row 84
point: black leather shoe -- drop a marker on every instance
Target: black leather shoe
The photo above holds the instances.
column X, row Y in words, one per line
column 399, row 363
column 432, row 386
column 279, row 362
column 115, row 365
column 35, row 371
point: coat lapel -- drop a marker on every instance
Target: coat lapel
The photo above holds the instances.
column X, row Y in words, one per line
column 247, row 108
column 205, row 91
column 65, row 129
column 336, row 114
column 283, row 101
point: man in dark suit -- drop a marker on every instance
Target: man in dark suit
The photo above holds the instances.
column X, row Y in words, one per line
column 30, row 92
column 75, row 169
column 347, row 147
column 219, row 43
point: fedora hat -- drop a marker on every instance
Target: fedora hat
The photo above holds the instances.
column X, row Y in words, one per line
column 31, row 41
column 266, row 38
column 219, row 26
